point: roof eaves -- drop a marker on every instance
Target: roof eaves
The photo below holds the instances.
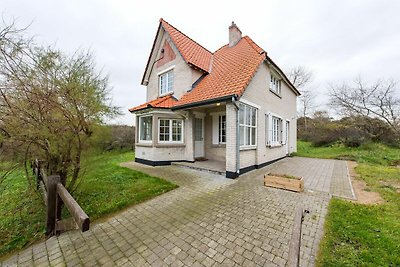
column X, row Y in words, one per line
column 294, row 89
column 204, row 102
column 151, row 54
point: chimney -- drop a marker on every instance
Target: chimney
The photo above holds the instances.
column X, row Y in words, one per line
column 234, row 34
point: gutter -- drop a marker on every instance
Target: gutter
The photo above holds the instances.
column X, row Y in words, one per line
column 204, row 102
column 237, row 136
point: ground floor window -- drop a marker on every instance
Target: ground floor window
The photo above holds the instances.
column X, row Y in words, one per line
column 170, row 130
column 222, row 129
column 274, row 134
column 276, row 129
column 248, row 125
column 145, row 128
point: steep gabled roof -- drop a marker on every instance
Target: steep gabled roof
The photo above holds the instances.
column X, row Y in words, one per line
column 193, row 53
column 162, row 102
column 227, row 72
column 232, row 70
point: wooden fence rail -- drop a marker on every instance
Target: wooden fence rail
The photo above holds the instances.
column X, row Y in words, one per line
column 295, row 242
column 54, row 193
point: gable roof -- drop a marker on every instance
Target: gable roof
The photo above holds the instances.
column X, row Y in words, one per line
column 192, row 52
column 228, row 71
column 231, row 72
column 162, row 102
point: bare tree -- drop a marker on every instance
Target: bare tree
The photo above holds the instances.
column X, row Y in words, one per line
column 377, row 100
column 49, row 102
column 302, row 78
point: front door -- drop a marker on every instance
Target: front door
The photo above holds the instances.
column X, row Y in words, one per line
column 198, row 137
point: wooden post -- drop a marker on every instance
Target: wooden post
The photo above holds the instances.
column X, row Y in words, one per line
column 295, row 242
column 52, row 182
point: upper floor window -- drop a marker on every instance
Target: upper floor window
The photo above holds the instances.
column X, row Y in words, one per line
column 166, row 82
column 275, row 84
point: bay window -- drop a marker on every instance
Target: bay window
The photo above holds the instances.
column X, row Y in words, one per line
column 170, row 130
column 145, row 128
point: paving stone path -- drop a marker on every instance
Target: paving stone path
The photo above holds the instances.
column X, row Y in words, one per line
column 208, row 221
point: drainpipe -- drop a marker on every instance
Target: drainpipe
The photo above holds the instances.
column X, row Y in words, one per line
column 237, row 136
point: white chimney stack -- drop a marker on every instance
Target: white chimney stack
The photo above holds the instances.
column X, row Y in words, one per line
column 234, row 34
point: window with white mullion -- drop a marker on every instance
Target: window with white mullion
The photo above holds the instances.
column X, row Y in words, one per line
column 170, row 130
column 275, row 84
column 276, row 130
column 166, row 82
column 247, row 125
column 145, row 128
column 222, row 129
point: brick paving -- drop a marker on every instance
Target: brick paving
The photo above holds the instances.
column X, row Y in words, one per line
column 208, row 221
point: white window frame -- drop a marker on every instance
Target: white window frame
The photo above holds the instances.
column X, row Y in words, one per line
column 140, row 129
column 170, row 141
column 216, row 127
column 275, row 84
column 276, row 132
column 271, row 131
column 246, row 126
column 220, row 129
column 167, row 76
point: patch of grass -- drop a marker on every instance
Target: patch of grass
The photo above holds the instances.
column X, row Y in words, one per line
column 373, row 153
column 105, row 188
column 356, row 234
column 360, row 235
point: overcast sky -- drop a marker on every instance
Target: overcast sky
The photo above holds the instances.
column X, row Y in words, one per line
column 338, row 40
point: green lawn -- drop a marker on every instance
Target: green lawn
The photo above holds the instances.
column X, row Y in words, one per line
column 106, row 188
column 356, row 234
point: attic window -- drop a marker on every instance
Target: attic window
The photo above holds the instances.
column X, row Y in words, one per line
column 275, row 84
column 166, row 82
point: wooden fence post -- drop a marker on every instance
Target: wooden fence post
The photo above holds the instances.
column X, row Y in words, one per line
column 52, row 182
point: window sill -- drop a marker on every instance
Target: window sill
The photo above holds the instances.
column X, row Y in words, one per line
column 146, row 144
column 248, row 148
column 170, row 144
column 218, row 145
column 275, row 93
column 274, row 145
column 165, row 94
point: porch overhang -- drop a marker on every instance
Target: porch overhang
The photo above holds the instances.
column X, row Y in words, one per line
column 205, row 102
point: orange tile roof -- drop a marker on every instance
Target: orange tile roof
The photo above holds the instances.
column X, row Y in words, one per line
column 231, row 72
column 191, row 51
column 162, row 102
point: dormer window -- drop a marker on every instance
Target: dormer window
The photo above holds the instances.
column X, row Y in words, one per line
column 166, row 82
column 275, row 84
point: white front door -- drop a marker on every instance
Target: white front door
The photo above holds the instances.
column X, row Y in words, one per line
column 198, row 137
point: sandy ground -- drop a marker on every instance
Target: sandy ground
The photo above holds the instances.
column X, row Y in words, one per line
column 361, row 189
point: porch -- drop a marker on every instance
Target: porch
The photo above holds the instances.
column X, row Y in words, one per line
column 213, row 166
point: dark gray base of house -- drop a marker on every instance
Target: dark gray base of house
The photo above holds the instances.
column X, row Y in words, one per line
column 233, row 175
column 159, row 163
column 228, row 174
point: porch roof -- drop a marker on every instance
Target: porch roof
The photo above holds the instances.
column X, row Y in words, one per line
column 161, row 102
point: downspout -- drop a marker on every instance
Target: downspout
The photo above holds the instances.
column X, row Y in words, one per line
column 237, row 136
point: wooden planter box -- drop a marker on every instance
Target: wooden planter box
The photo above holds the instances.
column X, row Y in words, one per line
column 280, row 181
